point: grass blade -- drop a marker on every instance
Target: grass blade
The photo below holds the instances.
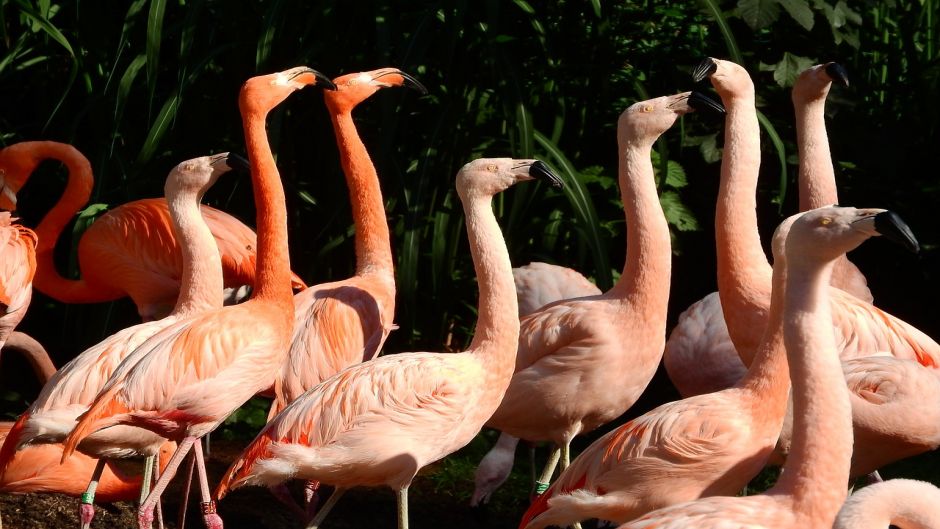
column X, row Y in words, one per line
column 732, row 44
column 781, row 157
column 154, row 36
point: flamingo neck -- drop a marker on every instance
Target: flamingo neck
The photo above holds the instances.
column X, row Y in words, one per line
column 273, row 282
column 768, row 376
column 817, row 181
column 74, row 197
column 373, row 249
column 817, row 468
column 744, row 276
column 902, row 503
column 201, row 282
column 497, row 331
column 644, row 282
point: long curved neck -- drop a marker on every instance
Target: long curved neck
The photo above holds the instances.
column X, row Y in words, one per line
column 817, row 180
column 646, row 272
column 744, row 276
column 768, row 376
column 76, row 195
column 817, row 468
column 497, row 331
column 273, row 282
column 373, row 249
column 34, row 353
column 901, row 503
column 201, row 282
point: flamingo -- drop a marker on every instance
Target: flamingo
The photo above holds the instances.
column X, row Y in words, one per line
column 343, row 322
column 72, row 389
column 901, row 503
column 129, row 251
column 17, row 267
column 186, row 379
column 537, row 285
column 379, row 422
column 811, row 488
column 699, row 355
column 704, row 445
column 583, row 362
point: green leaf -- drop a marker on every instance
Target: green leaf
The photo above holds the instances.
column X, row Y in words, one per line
column 154, row 37
column 675, row 175
column 596, row 4
column 800, row 11
column 789, row 68
column 719, row 16
column 525, row 6
column 676, row 213
column 759, row 13
column 159, row 128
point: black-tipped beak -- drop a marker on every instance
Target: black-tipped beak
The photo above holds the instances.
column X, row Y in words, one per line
column 704, row 69
column 541, row 171
column 237, row 163
column 322, row 80
column 837, row 73
column 413, row 83
column 890, row 225
column 700, row 102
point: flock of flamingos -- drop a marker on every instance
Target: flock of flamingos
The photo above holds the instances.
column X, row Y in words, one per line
column 789, row 363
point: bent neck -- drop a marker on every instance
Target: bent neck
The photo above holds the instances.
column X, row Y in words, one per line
column 817, row 181
column 768, row 376
column 273, row 283
column 373, row 249
column 646, row 271
column 902, row 503
column 817, row 468
column 201, row 283
column 496, row 336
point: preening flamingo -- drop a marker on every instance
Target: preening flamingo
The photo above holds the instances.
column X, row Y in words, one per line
column 537, row 285
column 343, row 322
column 583, row 362
column 185, row 380
column 900, row 503
column 128, row 251
column 17, row 267
column 379, row 422
column 33, row 352
column 73, row 388
column 812, row 486
column 705, row 445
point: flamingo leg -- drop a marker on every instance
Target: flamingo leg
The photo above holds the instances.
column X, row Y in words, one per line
column 565, row 455
column 311, row 496
column 156, row 477
column 184, row 504
column 282, row 493
column 873, row 478
column 403, row 507
column 145, row 481
column 209, row 514
column 145, row 512
column 86, row 510
column 541, row 485
column 327, row 507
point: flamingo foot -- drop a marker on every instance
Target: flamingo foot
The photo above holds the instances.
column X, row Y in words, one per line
column 145, row 519
column 86, row 512
column 210, row 517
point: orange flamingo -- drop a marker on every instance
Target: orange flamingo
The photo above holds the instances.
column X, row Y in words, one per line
column 184, row 381
column 343, row 322
column 72, row 389
column 901, row 503
column 17, row 267
column 379, row 422
column 129, row 251
column 811, row 488
column 583, row 362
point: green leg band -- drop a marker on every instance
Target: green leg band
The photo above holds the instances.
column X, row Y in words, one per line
column 541, row 487
column 88, row 498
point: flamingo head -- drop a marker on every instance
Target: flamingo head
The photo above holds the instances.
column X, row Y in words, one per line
column 354, row 88
column 813, row 83
column 831, row 231
column 484, row 177
column 731, row 80
column 647, row 120
column 199, row 174
column 264, row 92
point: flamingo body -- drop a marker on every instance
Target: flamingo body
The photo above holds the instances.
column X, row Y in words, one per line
column 538, row 284
column 17, row 267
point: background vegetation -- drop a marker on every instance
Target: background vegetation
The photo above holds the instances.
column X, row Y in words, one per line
column 140, row 86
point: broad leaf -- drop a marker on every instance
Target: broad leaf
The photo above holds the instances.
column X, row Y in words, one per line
column 800, row 11
column 787, row 70
column 676, row 213
column 759, row 13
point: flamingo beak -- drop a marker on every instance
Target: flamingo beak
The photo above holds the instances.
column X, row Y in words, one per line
column 889, row 224
column 407, row 80
column 704, row 69
column 237, row 162
column 837, row 73
column 700, row 101
column 541, row 171
column 313, row 77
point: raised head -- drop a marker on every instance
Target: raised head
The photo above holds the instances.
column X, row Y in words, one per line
column 485, row 177
column 18, row 161
column 262, row 93
column 828, row 232
column 199, row 174
column 354, row 88
column 647, row 120
column 814, row 82
column 729, row 79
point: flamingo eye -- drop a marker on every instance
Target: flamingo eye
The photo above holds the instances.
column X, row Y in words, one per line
column 491, row 168
column 825, row 221
column 648, row 108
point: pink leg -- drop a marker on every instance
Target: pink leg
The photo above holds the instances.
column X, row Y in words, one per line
column 156, row 477
column 184, row 505
column 86, row 511
column 145, row 513
column 209, row 516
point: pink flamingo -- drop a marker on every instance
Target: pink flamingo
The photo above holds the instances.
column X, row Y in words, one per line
column 812, row 486
column 17, row 267
column 705, row 445
column 129, row 251
column 343, row 322
column 537, row 285
column 901, row 503
column 379, row 422
column 185, row 380
column 583, row 362
column 72, row 389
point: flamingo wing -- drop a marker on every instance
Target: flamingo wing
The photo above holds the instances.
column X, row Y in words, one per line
column 17, row 264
